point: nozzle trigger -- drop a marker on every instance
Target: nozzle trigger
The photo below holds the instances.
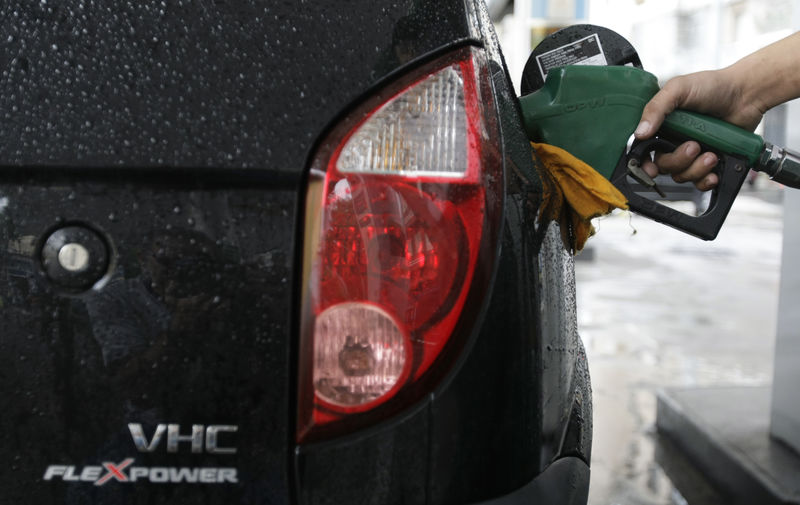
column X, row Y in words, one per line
column 636, row 151
column 635, row 170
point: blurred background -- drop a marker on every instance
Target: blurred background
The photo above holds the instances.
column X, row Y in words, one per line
column 667, row 318
column 672, row 36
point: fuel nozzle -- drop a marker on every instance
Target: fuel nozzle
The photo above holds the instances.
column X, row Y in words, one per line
column 782, row 165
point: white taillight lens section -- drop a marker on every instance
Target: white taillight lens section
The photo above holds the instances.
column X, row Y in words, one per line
column 360, row 354
column 420, row 131
column 396, row 220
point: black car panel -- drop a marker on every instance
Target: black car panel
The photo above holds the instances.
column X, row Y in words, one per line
column 190, row 327
column 208, row 84
column 180, row 135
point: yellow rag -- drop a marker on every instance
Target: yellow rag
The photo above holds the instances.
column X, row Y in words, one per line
column 574, row 193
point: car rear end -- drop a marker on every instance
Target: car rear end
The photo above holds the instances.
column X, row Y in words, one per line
column 256, row 253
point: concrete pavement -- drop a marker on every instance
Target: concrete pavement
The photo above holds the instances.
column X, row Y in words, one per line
column 657, row 309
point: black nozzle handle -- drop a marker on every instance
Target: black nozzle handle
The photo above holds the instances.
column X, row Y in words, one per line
column 732, row 172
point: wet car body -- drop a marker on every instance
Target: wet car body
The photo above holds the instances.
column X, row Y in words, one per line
column 180, row 136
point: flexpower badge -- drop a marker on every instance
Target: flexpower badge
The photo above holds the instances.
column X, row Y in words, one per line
column 202, row 439
column 124, row 472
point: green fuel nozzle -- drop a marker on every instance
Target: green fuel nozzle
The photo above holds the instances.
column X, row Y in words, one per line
column 592, row 111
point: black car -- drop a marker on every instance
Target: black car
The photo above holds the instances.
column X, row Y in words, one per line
column 260, row 252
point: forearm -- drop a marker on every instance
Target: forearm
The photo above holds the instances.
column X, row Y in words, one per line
column 769, row 76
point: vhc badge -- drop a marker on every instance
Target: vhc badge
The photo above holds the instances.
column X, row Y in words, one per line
column 201, row 437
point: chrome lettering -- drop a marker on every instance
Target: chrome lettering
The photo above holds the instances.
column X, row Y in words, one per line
column 54, row 470
column 123, row 472
column 183, row 474
column 91, row 473
column 212, row 442
column 174, row 437
column 137, row 472
column 140, row 441
column 69, row 475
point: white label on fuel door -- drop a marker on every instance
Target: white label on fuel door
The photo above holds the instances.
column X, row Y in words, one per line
column 586, row 51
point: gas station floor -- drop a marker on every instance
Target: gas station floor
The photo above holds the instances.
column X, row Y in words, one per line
column 660, row 310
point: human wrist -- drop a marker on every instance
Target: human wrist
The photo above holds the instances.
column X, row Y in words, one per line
column 769, row 76
column 745, row 86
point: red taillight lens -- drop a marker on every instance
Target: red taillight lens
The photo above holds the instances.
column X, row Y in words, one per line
column 396, row 227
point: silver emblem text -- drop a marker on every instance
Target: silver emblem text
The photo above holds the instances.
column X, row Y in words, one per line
column 200, row 437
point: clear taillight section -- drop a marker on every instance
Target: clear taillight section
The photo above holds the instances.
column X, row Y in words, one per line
column 401, row 209
column 416, row 132
column 360, row 354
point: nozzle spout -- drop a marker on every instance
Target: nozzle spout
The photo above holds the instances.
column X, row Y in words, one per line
column 782, row 165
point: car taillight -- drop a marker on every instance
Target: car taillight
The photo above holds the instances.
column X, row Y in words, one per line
column 402, row 212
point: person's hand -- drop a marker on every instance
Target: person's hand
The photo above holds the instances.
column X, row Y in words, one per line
column 739, row 94
column 716, row 93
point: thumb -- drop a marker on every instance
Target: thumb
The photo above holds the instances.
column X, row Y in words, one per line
column 654, row 113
